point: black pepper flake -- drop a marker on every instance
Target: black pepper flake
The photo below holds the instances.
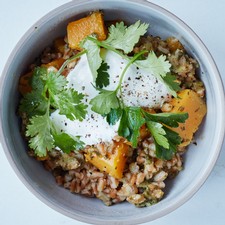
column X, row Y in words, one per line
column 129, row 78
column 65, row 124
column 138, row 78
column 83, row 88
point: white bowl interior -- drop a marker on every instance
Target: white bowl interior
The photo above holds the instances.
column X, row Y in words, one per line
column 199, row 159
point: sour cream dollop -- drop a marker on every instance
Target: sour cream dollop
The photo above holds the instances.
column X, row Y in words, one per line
column 139, row 88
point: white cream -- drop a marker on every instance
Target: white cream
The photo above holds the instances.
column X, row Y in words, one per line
column 139, row 89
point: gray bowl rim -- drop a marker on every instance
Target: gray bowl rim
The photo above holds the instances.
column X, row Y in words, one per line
column 182, row 198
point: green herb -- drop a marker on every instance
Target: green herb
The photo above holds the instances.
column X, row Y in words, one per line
column 33, row 104
column 158, row 133
column 39, row 131
column 49, row 92
column 171, row 83
column 166, row 140
column 105, row 102
column 114, row 116
column 173, row 139
column 160, row 68
column 67, row 143
column 93, row 56
column 130, row 124
column 123, row 37
column 102, row 79
column 68, row 101
column 169, row 119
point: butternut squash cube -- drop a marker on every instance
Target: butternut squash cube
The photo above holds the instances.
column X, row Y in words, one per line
column 79, row 29
column 191, row 103
column 112, row 164
column 57, row 63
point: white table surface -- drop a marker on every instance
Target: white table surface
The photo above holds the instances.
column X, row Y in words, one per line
column 19, row 207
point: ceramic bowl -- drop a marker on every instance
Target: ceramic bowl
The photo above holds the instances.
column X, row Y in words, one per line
column 199, row 159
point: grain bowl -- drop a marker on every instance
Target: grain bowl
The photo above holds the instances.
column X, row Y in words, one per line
column 197, row 161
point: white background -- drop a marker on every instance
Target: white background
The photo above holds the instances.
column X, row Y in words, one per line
column 19, row 207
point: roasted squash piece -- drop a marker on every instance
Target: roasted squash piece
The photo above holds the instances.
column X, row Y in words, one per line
column 113, row 164
column 57, row 63
column 79, row 29
column 24, row 83
column 191, row 103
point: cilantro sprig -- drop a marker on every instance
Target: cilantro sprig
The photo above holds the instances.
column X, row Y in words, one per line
column 166, row 140
column 49, row 92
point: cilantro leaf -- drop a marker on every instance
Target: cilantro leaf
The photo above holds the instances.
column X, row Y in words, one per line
column 130, row 124
column 67, row 143
column 105, row 102
column 173, row 139
column 37, row 81
column 102, row 79
column 166, row 140
column 33, row 103
column 68, row 101
column 158, row 66
column 39, row 131
column 169, row 119
column 55, row 82
column 158, row 133
column 93, row 56
column 172, row 85
column 123, row 37
column 114, row 115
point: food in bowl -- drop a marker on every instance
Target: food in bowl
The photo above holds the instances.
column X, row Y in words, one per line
column 110, row 111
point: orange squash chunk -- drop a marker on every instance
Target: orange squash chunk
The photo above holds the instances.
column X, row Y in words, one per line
column 57, row 63
column 191, row 103
column 112, row 164
column 79, row 29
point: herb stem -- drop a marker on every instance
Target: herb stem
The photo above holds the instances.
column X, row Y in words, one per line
column 103, row 45
column 134, row 58
column 78, row 55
